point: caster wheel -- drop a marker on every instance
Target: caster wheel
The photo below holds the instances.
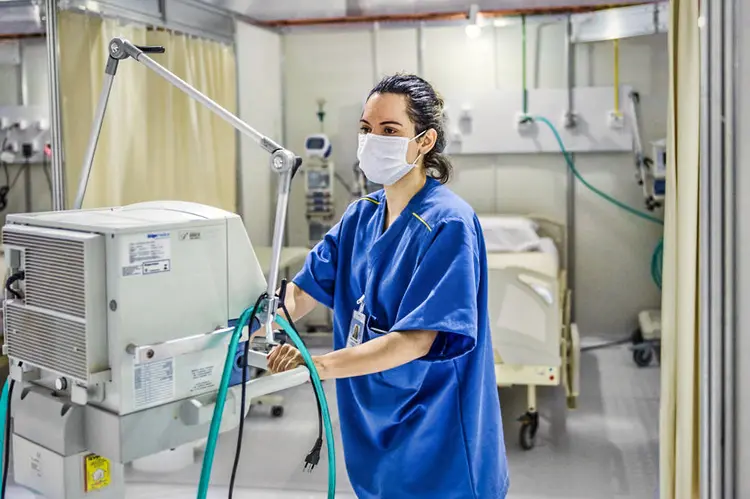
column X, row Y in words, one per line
column 527, row 436
column 637, row 337
column 277, row 411
column 643, row 356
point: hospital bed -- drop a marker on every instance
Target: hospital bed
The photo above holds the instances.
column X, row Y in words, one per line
column 534, row 342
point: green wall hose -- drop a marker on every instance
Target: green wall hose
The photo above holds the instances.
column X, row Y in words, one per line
column 213, row 434
column 656, row 257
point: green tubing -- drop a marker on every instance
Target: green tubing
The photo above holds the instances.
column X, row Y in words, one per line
column 323, row 402
column 221, row 399
column 523, row 66
column 213, row 433
column 657, row 263
column 656, row 258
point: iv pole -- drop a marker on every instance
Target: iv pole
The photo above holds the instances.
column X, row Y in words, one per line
column 283, row 162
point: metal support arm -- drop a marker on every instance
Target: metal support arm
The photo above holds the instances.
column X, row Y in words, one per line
column 283, row 161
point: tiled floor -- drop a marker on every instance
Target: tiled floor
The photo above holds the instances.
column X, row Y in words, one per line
column 605, row 449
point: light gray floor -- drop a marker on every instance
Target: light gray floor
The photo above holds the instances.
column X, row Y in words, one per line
column 607, row 448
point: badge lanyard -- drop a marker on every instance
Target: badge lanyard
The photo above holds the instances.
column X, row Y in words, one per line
column 357, row 324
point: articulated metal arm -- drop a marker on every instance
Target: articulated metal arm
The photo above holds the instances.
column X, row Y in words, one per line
column 283, row 161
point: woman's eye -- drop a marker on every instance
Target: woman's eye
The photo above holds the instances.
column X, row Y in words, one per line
column 364, row 129
column 389, row 131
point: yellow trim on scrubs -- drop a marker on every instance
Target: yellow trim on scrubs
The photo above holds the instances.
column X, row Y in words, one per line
column 422, row 220
column 373, row 201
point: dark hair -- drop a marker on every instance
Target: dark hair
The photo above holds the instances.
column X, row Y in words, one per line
column 425, row 109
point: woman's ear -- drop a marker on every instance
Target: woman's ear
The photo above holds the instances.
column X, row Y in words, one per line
column 428, row 141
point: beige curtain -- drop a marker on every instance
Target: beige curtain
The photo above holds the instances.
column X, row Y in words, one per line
column 156, row 142
column 679, row 418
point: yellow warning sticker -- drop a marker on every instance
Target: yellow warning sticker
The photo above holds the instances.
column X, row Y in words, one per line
column 97, row 472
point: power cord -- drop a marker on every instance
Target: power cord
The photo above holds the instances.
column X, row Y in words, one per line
column 17, row 276
column 6, row 452
column 241, row 429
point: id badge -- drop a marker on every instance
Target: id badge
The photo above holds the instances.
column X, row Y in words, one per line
column 356, row 329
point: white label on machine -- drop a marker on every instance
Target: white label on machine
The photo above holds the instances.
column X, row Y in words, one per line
column 153, row 383
column 36, row 464
column 201, row 379
column 145, row 254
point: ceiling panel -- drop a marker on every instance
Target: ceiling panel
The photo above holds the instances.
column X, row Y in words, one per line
column 297, row 9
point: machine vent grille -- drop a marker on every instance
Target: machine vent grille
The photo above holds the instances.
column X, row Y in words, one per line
column 54, row 343
column 53, row 313
column 54, row 272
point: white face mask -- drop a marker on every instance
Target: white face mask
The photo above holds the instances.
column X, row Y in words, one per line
column 383, row 158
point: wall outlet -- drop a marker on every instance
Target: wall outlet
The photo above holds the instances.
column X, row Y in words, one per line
column 569, row 120
column 4, row 123
column 616, row 120
column 43, row 125
column 23, row 124
column 524, row 123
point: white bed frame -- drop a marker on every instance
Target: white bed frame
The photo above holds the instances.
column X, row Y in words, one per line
column 534, row 341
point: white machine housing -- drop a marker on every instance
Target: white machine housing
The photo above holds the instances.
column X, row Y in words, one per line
column 100, row 285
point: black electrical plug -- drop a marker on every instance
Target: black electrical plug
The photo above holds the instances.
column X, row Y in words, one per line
column 27, row 150
column 313, row 458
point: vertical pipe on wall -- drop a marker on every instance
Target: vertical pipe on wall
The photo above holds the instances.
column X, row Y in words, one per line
column 571, row 180
column 420, row 49
column 374, row 46
column 56, row 142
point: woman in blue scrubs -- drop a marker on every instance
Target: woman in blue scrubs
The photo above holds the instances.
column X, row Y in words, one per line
column 405, row 273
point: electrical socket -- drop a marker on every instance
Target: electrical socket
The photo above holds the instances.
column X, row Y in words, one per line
column 4, row 123
column 616, row 120
column 23, row 124
column 524, row 123
column 42, row 125
column 569, row 120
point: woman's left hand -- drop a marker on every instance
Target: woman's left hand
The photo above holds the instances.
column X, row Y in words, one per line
column 284, row 358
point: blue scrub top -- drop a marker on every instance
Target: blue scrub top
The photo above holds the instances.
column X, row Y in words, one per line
column 430, row 428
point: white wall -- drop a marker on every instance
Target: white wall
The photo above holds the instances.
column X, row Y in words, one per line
column 259, row 89
column 613, row 249
column 34, row 66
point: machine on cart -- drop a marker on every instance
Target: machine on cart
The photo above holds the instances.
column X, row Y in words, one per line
column 123, row 325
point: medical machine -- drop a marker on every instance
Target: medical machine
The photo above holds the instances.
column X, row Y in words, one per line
column 654, row 175
column 319, row 181
column 122, row 326
column 534, row 341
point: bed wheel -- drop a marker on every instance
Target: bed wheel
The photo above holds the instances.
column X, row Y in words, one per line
column 277, row 411
column 643, row 356
column 527, row 433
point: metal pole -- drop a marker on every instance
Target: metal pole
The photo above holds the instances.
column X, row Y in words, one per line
column 23, row 95
column 56, row 139
column 704, row 344
column 88, row 159
column 282, row 202
column 570, row 250
column 729, row 35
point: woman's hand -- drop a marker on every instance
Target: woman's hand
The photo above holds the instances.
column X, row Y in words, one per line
column 284, row 358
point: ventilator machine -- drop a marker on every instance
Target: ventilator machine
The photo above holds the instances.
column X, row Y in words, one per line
column 122, row 326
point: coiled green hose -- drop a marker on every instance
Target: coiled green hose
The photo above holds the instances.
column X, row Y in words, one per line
column 656, row 257
column 213, row 433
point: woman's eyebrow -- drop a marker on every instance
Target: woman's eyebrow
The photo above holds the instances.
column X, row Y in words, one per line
column 362, row 120
column 382, row 123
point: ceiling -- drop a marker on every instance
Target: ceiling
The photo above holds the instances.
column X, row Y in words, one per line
column 269, row 10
